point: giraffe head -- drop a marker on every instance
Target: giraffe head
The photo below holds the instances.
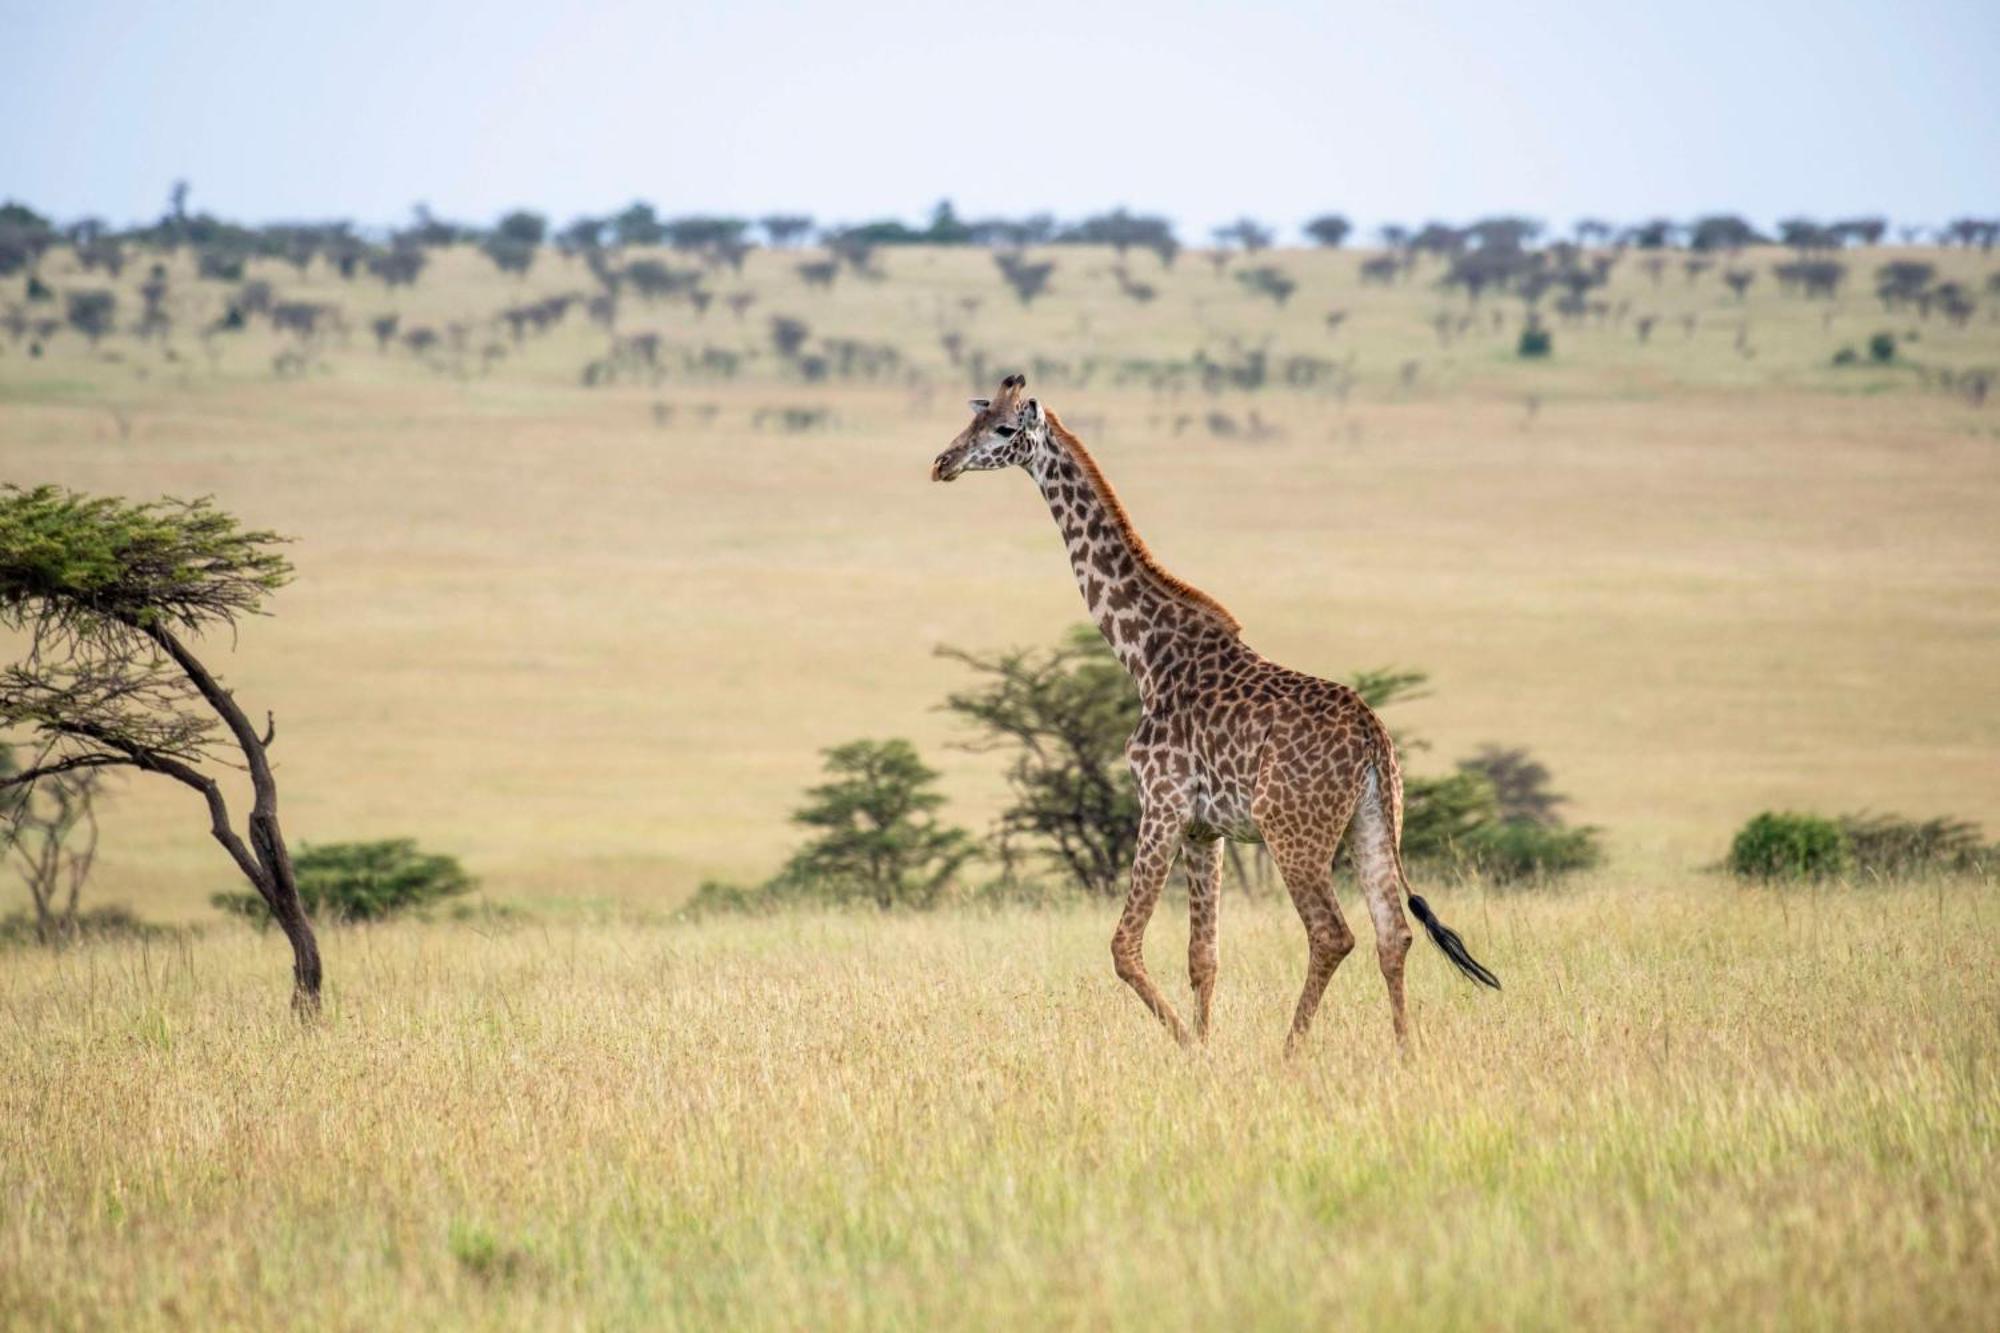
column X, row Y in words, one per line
column 1005, row 432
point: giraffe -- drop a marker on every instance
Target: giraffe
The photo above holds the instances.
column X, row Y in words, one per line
column 1229, row 744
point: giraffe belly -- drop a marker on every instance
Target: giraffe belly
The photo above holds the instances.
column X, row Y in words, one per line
column 1224, row 814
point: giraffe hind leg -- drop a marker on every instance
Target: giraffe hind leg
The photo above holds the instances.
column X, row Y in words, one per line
column 1374, row 850
column 1306, row 866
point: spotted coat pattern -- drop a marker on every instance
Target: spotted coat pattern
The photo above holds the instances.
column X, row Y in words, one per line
column 1229, row 744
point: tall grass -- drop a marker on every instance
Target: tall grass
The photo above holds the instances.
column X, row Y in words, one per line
column 1693, row 1106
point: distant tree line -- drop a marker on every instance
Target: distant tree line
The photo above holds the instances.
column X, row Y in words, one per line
column 397, row 256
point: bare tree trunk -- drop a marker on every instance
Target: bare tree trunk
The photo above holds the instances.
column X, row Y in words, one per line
column 283, row 896
column 266, row 862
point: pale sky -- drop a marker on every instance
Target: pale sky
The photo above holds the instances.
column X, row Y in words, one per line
column 849, row 111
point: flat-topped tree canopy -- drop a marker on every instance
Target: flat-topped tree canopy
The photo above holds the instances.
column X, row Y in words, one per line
column 79, row 563
column 105, row 587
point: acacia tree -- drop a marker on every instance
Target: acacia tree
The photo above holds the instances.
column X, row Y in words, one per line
column 109, row 594
column 879, row 838
column 1329, row 230
column 1064, row 714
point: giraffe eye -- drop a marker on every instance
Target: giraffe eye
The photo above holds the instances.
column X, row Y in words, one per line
column 1003, row 431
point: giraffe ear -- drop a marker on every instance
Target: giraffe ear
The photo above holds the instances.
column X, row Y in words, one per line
column 979, row 404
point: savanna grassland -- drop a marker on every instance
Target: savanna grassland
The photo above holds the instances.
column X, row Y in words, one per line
column 590, row 640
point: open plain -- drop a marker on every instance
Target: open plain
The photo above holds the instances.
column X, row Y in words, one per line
column 591, row 639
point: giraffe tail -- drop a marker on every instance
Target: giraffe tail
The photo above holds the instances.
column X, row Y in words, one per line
column 1441, row 935
column 1448, row 940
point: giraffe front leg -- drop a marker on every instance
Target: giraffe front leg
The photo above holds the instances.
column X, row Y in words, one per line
column 1203, row 862
column 1128, row 943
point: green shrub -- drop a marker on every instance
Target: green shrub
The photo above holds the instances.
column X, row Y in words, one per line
column 1882, row 348
column 1441, row 816
column 880, row 841
column 1536, row 341
column 1789, row 846
column 362, row 881
column 1846, row 356
column 1516, row 851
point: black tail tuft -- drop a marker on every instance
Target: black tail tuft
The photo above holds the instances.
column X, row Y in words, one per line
column 1454, row 948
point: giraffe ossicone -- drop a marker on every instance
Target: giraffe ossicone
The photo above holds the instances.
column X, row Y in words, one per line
column 1229, row 744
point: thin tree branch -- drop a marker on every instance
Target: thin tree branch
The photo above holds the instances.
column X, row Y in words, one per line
column 69, row 765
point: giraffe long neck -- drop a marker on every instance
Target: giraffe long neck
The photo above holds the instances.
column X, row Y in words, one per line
column 1150, row 618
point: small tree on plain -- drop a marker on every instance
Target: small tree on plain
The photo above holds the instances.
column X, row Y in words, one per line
column 523, row 227
column 879, row 839
column 1329, row 230
column 50, row 829
column 1065, row 715
column 782, row 229
column 1722, row 232
column 91, row 313
column 508, row 253
column 789, row 335
column 1268, row 281
column 110, row 594
column 1248, row 233
column 25, row 236
column 581, row 234
column 399, row 264
column 1027, row 278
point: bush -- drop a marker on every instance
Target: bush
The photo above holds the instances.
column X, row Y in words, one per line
column 362, row 881
column 1846, row 356
column 1889, row 847
column 1789, row 846
column 1514, row 851
column 880, row 841
column 508, row 254
column 1882, row 348
column 1535, row 342
column 220, row 266
column 718, row 897
column 1442, row 816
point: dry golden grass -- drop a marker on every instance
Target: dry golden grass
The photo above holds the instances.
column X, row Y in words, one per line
column 594, row 658
column 1694, row 1106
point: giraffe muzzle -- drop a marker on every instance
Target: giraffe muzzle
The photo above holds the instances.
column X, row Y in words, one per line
column 946, row 468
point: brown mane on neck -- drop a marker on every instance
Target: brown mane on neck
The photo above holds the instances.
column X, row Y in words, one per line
column 1175, row 587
